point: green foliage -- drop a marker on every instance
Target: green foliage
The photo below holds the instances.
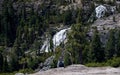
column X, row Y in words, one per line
column 32, row 62
column 14, row 62
column 100, row 1
column 8, row 22
column 67, row 17
column 110, row 45
column 95, row 64
column 5, row 65
column 85, row 53
column 79, row 18
column 26, row 71
column 1, row 60
column 67, row 59
column 114, row 62
column 7, row 73
column 76, row 42
column 96, row 53
column 111, row 2
column 54, row 63
column 117, row 51
column 58, row 52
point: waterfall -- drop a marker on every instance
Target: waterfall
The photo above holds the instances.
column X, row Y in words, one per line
column 57, row 39
column 60, row 37
column 100, row 11
column 46, row 46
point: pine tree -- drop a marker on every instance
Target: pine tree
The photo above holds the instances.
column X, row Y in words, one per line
column 96, row 50
column 118, row 44
column 67, row 59
column 14, row 64
column 110, row 45
column 32, row 18
column 12, row 22
column 5, row 65
column 67, row 17
column 5, row 22
column 16, row 48
column 8, row 24
column 1, row 61
column 0, row 24
column 76, row 42
column 78, row 20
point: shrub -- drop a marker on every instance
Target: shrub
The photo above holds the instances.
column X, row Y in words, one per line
column 26, row 70
column 96, row 64
column 114, row 62
column 67, row 60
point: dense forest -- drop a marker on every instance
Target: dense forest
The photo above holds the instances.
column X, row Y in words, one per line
column 23, row 28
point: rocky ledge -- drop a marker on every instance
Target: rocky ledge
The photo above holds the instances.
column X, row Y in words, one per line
column 80, row 70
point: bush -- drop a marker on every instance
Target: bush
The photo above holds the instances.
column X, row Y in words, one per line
column 95, row 64
column 7, row 74
column 114, row 62
column 26, row 71
column 67, row 60
column 54, row 64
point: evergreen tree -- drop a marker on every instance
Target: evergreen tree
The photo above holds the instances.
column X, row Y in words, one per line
column 16, row 48
column 67, row 17
column 67, row 59
column 14, row 64
column 5, row 65
column 110, row 45
column 1, row 61
column 78, row 20
column 96, row 50
column 0, row 24
column 7, row 22
column 12, row 22
column 32, row 18
column 118, row 44
column 76, row 42
column 23, row 11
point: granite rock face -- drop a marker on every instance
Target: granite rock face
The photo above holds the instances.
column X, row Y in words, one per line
column 80, row 70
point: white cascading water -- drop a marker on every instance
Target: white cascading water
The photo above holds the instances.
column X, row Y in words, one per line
column 100, row 11
column 46, row 46
column 58, row 38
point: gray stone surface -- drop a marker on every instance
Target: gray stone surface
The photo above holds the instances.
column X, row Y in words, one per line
column 80, row 70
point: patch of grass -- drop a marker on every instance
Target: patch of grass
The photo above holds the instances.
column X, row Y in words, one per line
column 96, row 64
column 7, row 73
column 26, row 71
column 114, row 62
